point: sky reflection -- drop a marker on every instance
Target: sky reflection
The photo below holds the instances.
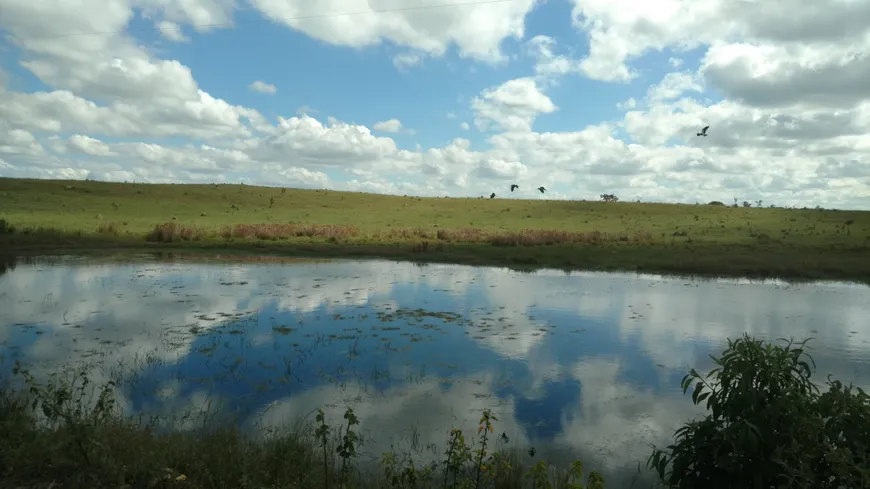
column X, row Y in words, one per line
column 576, row 365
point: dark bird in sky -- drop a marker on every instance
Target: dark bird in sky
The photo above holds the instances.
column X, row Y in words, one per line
column 492, row 195
column 704, row 131
column 514, row 187
column 542, row 189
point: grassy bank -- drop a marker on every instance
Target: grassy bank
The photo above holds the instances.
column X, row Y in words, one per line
column 45, row 216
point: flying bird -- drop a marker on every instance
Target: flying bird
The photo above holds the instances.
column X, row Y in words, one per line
column 514, row 187
column 704, row 131
column 492, row 195
column 542, row 189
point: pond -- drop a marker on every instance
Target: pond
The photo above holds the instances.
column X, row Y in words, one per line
column 579, row 364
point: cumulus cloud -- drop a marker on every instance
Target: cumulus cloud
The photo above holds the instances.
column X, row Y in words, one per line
column 391, row 125
column 548, row 63
column 88, row 145
column 263, row 87
column 171, row 31
column 786, row 99
column 477, row 30
column 512, row 106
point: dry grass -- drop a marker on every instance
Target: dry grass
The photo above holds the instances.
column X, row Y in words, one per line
column 170, row 232
column 288, row 231
column 173, row 232
column 111, row 228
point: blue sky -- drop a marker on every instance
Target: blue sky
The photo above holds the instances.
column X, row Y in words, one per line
column 82, row 105
column 363, row 86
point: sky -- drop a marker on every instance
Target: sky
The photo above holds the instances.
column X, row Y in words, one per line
column 446, row 97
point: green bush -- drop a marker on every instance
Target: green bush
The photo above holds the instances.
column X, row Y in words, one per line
column 768, row 426
column 6, row 227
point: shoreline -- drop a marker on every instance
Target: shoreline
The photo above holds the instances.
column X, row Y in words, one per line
column 700, row 260
column 699, row 240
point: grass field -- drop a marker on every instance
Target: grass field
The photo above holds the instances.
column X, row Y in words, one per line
column 45, row 216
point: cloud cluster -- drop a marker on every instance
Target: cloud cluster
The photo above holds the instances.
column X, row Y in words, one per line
column 787, row 100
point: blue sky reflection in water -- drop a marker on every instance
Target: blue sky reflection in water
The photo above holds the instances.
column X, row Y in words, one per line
column 582, row 364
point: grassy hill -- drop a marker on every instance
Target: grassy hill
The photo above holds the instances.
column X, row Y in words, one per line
column 687, row 238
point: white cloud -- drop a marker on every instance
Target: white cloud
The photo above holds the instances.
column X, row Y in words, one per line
column 548, row 63
column 404, row 61
column 774, row 76
column 477, row 30
column 391, row 125
column 630, row 103
column 674, row 85
column 263, row 87
column 171, row 31
column 88, row 145
column 791, row 127
column 512, row 106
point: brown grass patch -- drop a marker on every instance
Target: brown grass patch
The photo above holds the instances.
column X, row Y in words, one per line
column 526, row 237
column 463, row 235
column 285, row 231
column 109, row 228
column 169, row 232
column 538, row 237
column 403, row 233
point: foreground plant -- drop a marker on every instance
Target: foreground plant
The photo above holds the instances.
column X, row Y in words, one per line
column 70, row 430
column 768, row 426
column 475, row 466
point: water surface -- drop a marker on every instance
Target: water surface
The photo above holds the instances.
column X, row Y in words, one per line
column 580, row 364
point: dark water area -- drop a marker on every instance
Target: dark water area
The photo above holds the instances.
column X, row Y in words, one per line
column 576, row 365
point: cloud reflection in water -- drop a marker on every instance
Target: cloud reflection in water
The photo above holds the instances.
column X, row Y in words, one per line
column 577, row 365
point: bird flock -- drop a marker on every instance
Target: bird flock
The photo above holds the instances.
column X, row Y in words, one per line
column 515, row 186
column 542, row 189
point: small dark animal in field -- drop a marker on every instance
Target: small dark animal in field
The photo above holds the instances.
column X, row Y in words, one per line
column 492, row 195
column 542, row 189
column 514, row 187
column 704, row 131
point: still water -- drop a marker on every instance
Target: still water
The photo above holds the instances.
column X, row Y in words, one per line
column 581, row 364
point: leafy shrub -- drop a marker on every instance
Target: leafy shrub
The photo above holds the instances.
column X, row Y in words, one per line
column 6, row 227
column 768, row 426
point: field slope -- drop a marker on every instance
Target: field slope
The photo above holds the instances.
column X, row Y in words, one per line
column 47, row 216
